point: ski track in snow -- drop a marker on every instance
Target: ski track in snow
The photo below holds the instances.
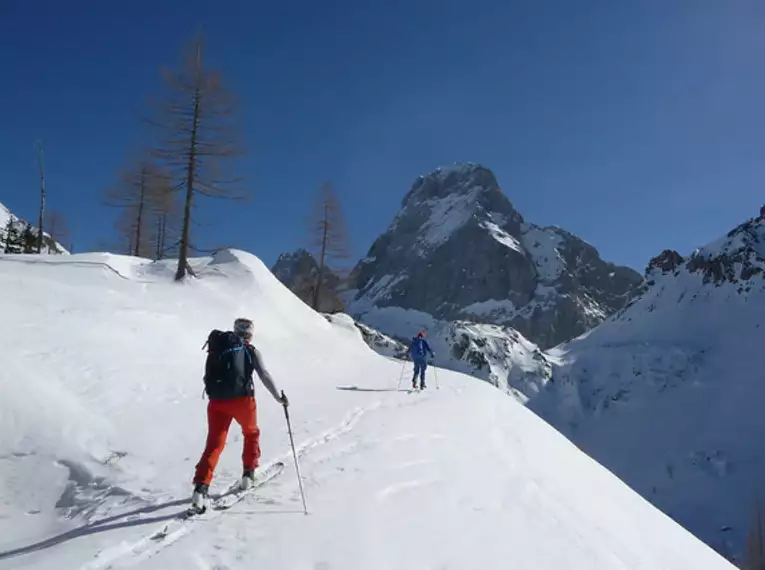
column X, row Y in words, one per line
column 126, row 555
column 146, row 547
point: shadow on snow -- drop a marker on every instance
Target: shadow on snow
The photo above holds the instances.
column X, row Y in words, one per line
column 101, row 525
column 107, row 524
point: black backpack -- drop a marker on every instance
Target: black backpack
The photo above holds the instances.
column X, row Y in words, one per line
column 228, row 369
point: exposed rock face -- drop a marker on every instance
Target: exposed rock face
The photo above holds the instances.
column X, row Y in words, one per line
column 458, row 250
column 737, row 257
column 299, row 272
column 666, row 262
column 381, row 343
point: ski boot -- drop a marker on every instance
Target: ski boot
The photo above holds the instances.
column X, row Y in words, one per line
column 248, row 479
column 200, row 498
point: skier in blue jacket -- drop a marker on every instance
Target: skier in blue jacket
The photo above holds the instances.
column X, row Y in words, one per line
column 418, row 350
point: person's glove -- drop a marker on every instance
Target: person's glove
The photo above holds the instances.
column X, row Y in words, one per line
column 283, row 400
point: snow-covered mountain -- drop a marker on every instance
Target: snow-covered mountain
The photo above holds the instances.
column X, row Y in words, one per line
column 668, row 393
column 458, row 250
column 17, row 226
column 102, row 422
column 459, row 261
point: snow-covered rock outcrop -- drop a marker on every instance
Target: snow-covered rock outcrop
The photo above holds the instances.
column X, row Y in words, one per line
column 382, row 343
column 499, row 355
column 10, row 223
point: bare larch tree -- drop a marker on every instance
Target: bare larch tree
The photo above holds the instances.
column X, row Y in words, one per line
column 125, row 226
column 41, row 217
column 136, row 193
column 197, row 130
column 165, row 215
column 329, row 239
column 57, row 227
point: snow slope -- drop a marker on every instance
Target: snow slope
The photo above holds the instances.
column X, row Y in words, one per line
column 668, row 393
column 101, row 423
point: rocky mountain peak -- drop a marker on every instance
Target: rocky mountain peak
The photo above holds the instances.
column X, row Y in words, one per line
column 458, row 250
column 462, row 178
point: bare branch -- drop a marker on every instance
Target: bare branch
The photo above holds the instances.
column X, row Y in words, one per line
column 196, row 126
column 328, row 237
column 57, row 226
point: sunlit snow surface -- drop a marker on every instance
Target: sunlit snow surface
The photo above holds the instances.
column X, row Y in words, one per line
column 102, row 421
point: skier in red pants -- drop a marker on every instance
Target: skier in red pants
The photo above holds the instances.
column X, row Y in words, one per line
column 231, row 360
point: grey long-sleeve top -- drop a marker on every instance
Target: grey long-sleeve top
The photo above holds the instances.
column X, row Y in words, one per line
column 265, row 377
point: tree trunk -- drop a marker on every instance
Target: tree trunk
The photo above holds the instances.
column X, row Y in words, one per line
column 42, row 198
column 183, row 254
column 163, row 236
column 317, row 291
column 139, row 220
column 160, row 243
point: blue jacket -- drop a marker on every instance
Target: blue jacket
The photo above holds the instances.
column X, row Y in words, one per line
column 419, row 348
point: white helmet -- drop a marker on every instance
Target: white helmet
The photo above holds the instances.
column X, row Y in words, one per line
column 243, row 327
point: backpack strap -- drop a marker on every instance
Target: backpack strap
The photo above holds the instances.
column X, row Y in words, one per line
column 232, row 349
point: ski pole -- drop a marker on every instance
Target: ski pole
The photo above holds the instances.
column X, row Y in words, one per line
column 294, row 454
column 435, row 373
column 401, row 376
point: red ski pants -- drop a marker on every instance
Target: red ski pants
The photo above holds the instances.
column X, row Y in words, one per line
column 219, row 416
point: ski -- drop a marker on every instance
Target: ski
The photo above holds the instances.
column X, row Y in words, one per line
column 180, row 524
column 234, row 494
column 224, row 501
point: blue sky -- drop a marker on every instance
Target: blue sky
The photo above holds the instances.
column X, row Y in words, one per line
column 636, row 124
